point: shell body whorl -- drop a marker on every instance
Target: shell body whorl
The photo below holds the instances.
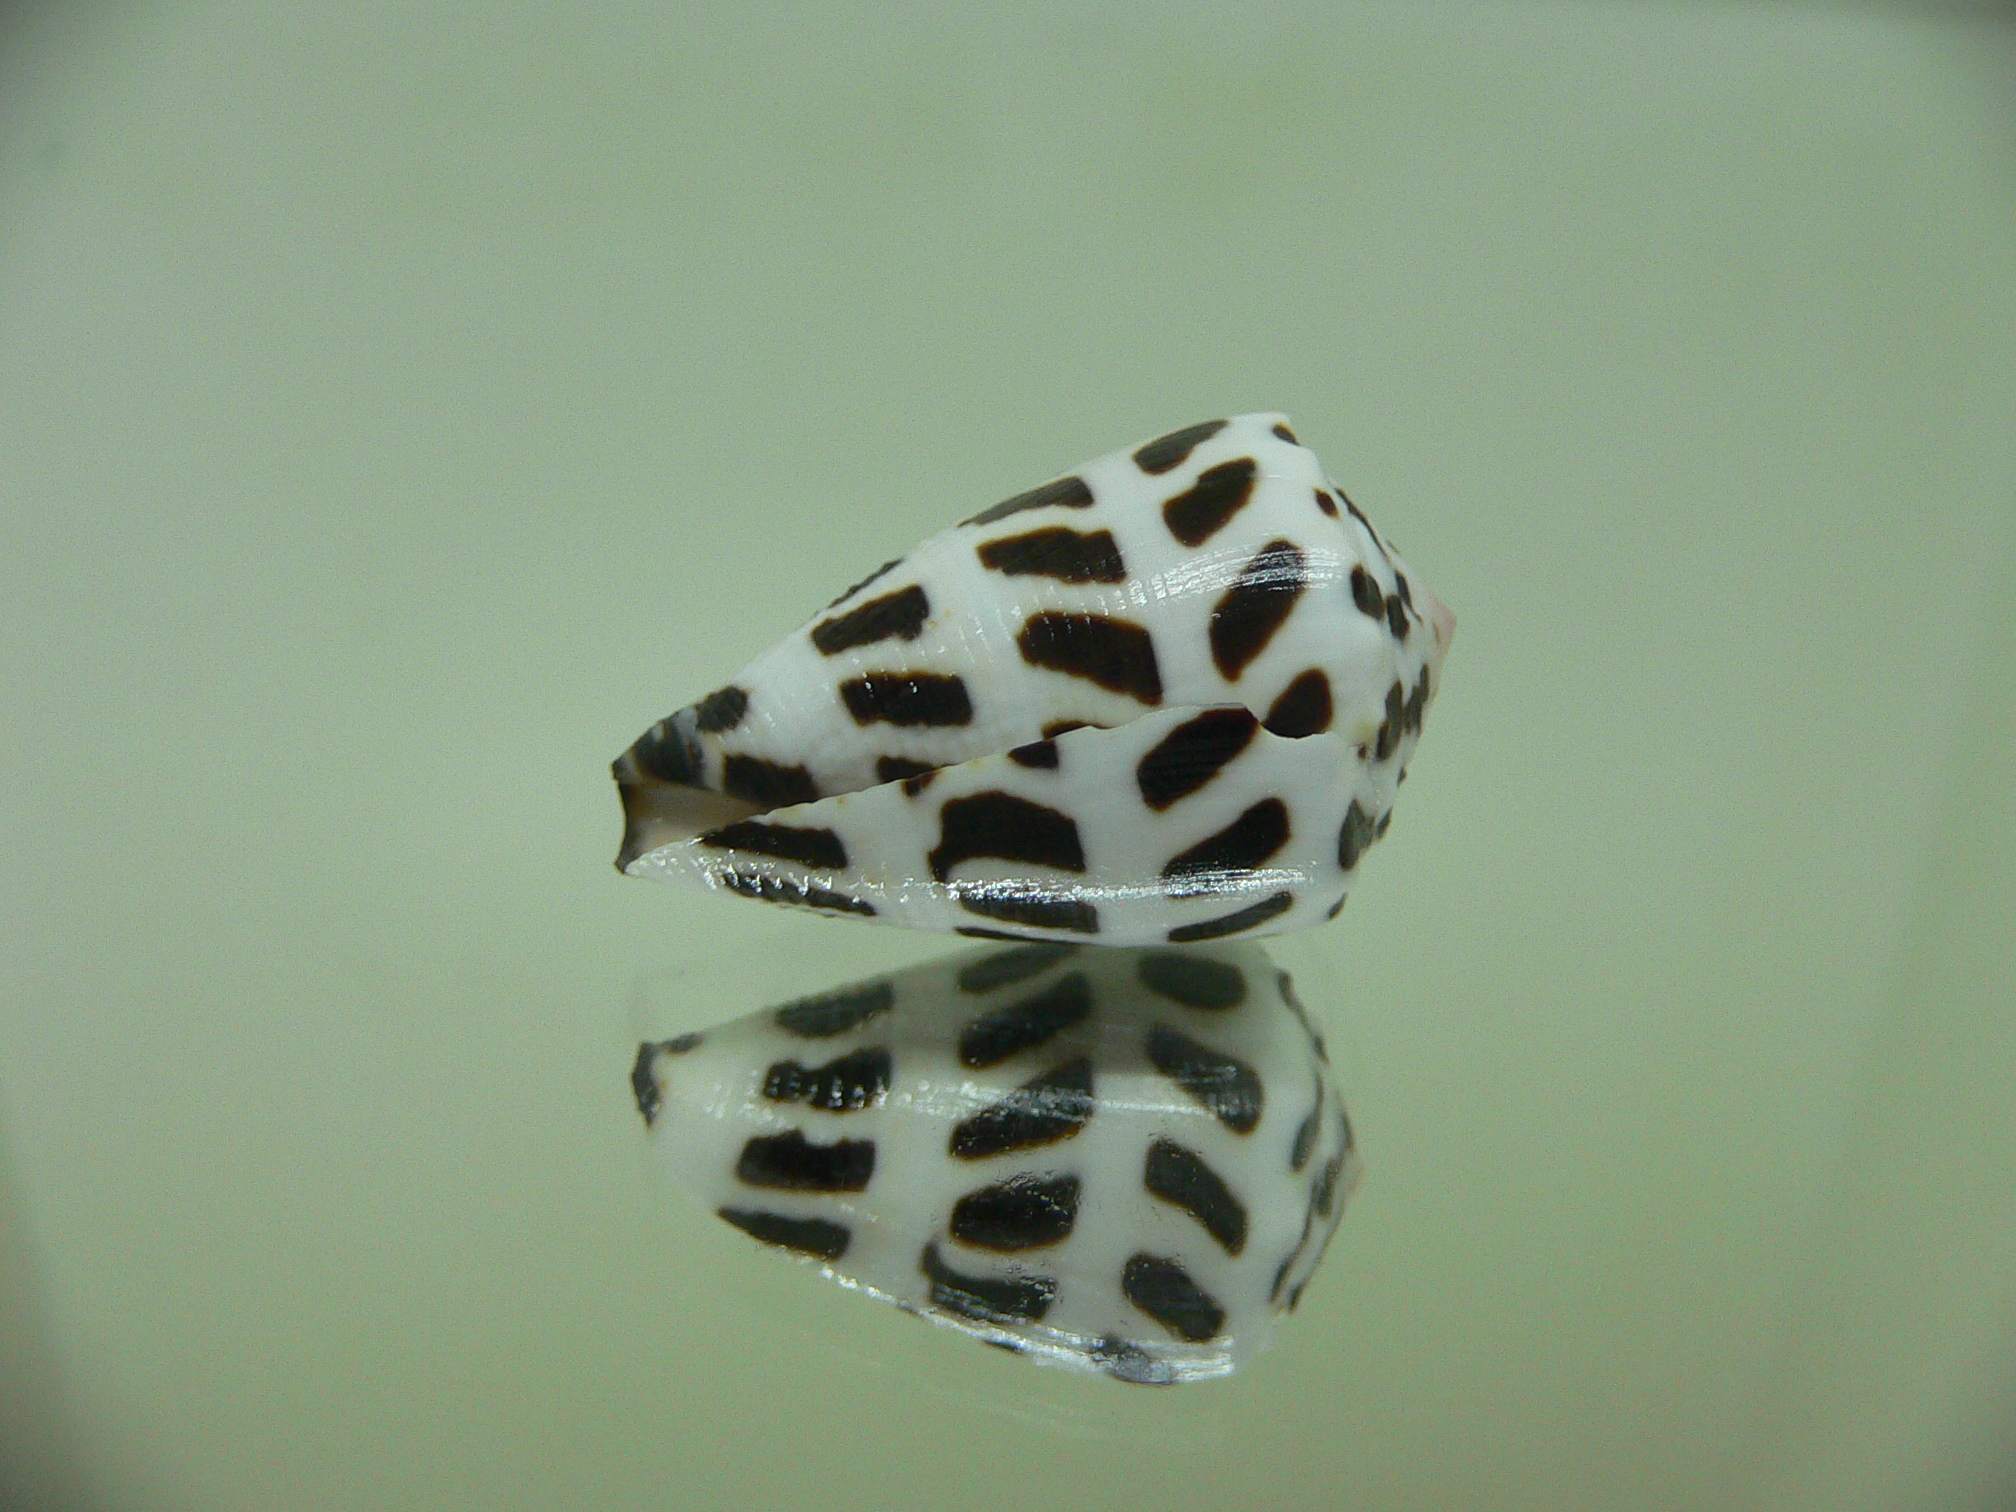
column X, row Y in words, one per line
column 1166, row 697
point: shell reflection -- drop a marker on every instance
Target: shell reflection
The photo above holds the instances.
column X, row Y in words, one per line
column 1126, row 1161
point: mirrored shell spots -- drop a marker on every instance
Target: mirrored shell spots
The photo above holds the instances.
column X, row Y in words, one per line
column 1165, row 698
column 1126, row 1162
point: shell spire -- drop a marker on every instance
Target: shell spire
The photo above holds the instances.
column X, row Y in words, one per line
column 1166, row 697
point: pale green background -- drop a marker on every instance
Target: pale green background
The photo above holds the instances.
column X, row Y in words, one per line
column 403, row 405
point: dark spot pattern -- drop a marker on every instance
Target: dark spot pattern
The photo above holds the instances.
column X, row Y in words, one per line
column 1325, row 503
column 1163, row 1290
column 1356, row 834
column 914, row 786
column 1324, row 1196
column 1195, row 981
column 819, row 1237
column 1257, row 604
column 896, row 768
column 1396, row 618
column 1004, row 968
column 1058, row 727
column 1366, row 595
column 1417, row 705
column 807, row 846
column 976, row 932
column 1001, row 826
column 1020, row 904
column 1219, row 493
column 1070, row 493
column 1285, row 985
column 894, row 615
column 1303, row 707
column 1057, row 552
column 833, row 1013
column 1335, row 908
column 1305, row 1136
column 1394, row 726
column 1116, row 654
column 907, row 699
column 1038, row 753
column 987, row 1299
column 1027, row 1211
column 644, row 1085
column 1217, row 860
column 846, row 1084
column 1285, row 434
column 721, row 710
column 1377, row 544
column 1406, row 594
column 668, row 754
column 1250, row 917
column 1182, row 1178
column 786, row 890
column 1166, row 453
column 769, row 783
column 1003, row 1032
column 1043, row 1110
column 1225, row 1086
column 1193, row 753
column 791, row 1162
column 877, row 573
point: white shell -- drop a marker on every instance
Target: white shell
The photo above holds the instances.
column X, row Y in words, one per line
column 1125, row 1161
column 1238, row 666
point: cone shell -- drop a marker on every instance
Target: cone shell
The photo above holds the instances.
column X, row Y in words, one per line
column 1165, row 698
column 1123, row 1161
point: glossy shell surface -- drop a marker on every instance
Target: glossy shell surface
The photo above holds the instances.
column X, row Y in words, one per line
column 1122, row 1161
column 1167, row 697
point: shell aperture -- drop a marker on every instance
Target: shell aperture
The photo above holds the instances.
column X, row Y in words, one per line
column 1119, row 1161
column 1168, row 697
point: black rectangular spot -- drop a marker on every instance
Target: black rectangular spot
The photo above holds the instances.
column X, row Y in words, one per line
column 1225, row 1086
column 1162, row 1288
column 1003, row 827
column 1219, row 493
column 789, row 891
column 994, row 1037
column 1183, row 1178
column 808, row 846
column 807, row 1236
column 1056, row 552
column 769, row 783
column 1036, row 909
column 1070, row 493
column 1168, row 452
column 831, row 1013
column 1251, row 917
column 1043, row 1110
column 1256, row 605
column 987, row 1299
column 793, row 1163
column 907, row 699
column 1027, row 1211
column 899, row 614
column 846, row 1084
column 1195, row 981
column 1004, row 968
column 1221, row 861
column 1117, row 655
column 1192, row 754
